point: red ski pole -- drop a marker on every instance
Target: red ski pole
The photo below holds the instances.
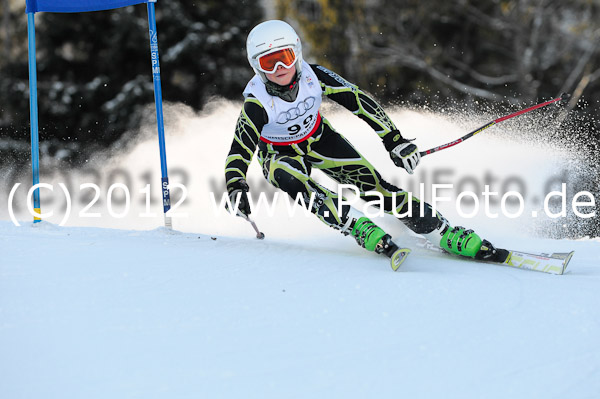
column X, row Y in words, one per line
column 563, row 97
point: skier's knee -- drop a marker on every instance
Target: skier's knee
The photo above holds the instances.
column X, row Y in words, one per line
column 288, row 182
column 420, row 222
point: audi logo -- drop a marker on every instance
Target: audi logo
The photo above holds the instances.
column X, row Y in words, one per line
column 296, row 112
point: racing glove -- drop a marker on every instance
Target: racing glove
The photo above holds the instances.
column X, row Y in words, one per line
column 239, row 187
column 403, row 152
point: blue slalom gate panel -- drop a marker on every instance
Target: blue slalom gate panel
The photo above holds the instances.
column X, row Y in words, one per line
column 74, row 6
column 77, row 5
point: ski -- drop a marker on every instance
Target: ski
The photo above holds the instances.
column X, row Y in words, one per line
column 388, row 248
column 555, row 263
column 398, row 257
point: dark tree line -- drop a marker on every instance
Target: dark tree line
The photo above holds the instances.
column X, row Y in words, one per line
column 94, row 74
column 499, row 50
column 476, row 53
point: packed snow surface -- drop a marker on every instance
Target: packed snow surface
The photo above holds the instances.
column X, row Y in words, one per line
column 120, row 307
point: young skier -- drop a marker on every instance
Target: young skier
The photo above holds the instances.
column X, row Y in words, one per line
column 281, row 117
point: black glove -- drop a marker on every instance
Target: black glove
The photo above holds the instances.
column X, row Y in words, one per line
column 404, row 153
column 239, row 187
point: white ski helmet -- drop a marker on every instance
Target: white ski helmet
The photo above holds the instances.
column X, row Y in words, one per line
column 269, row 37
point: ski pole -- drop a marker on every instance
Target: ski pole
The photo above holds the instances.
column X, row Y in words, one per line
column 563, row 97
column 260, row 235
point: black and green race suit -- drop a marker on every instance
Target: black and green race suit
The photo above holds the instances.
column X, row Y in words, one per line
column 288, row 167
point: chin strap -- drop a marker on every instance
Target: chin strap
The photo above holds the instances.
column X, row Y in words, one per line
column 287, row 93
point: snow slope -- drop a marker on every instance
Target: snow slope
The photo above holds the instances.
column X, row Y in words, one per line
column 98, row 313
column 208, row 311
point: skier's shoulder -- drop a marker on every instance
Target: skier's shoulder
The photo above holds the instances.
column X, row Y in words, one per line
column 329, row 77
column 254, row 109
column 254, row 87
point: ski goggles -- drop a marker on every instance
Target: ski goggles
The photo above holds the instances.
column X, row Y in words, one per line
column 268, row 62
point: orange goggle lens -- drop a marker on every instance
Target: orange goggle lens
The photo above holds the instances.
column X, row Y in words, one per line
column 268, row 62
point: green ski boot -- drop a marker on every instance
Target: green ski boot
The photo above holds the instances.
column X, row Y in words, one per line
column 460, row 241
column 463, row 242
column 372, row 237
column 367, row 234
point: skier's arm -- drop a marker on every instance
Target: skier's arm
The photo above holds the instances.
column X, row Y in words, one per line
column 354, row 99
column 402, row 151
column 247, row 132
